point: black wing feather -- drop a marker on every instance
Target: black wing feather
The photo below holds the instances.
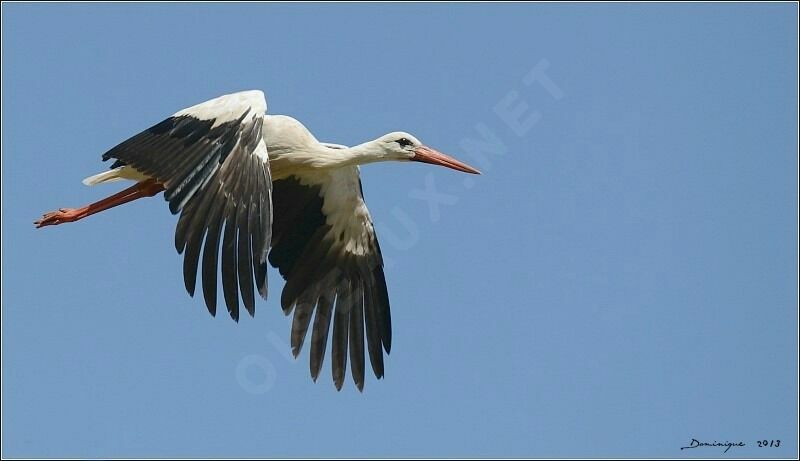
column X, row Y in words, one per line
column 214, row 178
column 312, row 256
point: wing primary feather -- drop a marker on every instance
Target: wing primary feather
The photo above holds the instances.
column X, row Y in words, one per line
column 373, row 329
column 255, row 224
column 357, row 336
column 238, row 162
column 182, row 228
column 339, row 340
column 383, row 310
column 265, row 225
column 196, row 229
column 300, row 323
column 244, row 261
column 229, row 265
column 191, row 259
column 210, row 255
column 319, row 333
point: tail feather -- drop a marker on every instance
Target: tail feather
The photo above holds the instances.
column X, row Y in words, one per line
column 106, row 176
column 116, row 174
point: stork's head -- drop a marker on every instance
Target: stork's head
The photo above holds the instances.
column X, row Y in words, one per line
column 400, row 145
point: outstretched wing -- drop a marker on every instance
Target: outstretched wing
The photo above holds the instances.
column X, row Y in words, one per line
column 214, row 166
column 324, row 245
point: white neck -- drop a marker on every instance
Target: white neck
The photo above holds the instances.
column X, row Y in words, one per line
column 368, row 152
column 315, row 156
column 293, row 149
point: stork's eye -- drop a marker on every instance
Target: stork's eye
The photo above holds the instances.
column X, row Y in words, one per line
column 403, row 142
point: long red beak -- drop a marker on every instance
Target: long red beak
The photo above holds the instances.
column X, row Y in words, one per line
column 425, row 154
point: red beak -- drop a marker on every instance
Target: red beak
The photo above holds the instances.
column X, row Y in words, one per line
column 425, row 154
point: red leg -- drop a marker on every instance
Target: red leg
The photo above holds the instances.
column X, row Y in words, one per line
column 147, row 188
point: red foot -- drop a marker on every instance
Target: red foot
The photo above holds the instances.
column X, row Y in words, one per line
column 147, row 188
column 61, row 216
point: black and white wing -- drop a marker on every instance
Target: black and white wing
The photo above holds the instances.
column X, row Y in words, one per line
column 324, row 245
column 213, row 164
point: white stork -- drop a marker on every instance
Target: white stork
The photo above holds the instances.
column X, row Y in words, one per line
column 280, row 195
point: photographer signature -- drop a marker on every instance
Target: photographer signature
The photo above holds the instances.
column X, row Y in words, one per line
column 697, row 444
column 774, row 443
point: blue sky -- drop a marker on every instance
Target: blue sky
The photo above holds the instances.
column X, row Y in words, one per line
column 620, row 280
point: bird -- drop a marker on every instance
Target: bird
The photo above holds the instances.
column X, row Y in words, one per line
column 253, row 188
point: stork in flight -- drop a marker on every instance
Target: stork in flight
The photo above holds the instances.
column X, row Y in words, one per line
column 280, row 195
